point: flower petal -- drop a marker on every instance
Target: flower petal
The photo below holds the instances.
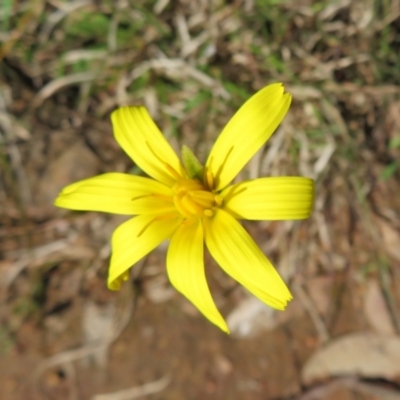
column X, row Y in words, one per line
column 185, row 266
column 133, row 240
column 238, row 255
column 118, row 194
column 139, row 136
column 246, row 132
column 277, row 198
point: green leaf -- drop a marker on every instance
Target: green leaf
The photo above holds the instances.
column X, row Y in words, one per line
column 88, row 25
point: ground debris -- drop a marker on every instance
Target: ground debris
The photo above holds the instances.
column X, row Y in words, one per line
column 66, row 65
column 365, row 355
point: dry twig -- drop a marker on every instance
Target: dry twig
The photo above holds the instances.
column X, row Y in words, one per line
column 137, row 391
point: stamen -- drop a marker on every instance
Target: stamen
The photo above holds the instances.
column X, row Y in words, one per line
column 174, row 173
column 204, row 203
column 192, row 184
column 187, row 185
column 145, row 227
column 189, row 221
column 218, row 173
column 141, row 197
column 162, row 217
column 182, row 209
column 209, row 180
column 233, row 192
column 191, row 206
column 218, row 200
column 192, row 199
column 157, row 196
column 165, row 198
column 171, row 170
column 202, row 195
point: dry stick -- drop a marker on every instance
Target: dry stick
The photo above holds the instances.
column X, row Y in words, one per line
column 67, row 357
column 389, row 298
column 115, row 20
column 324, row 158
column 275, row 144
column 180, row 68
column 57, row 84
column 331, row 9
column 160, row 5
column 73, row 56
column 74, row 355
column 59, row 15
column 137, row 391
column 384, row 277
column 15, row 155
column 183, row 29
column 189, row 44
column 311, row 309
column 351, row 88
column 386, row 21
column 30, row 257
column 195, row 43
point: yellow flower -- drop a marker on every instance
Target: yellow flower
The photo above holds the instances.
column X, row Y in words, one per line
column 190, row 204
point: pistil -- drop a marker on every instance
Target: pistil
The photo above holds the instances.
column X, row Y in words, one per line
column 192, row 199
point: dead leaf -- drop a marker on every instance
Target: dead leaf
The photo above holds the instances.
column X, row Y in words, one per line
column 367, row 355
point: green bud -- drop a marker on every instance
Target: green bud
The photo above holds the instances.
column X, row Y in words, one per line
column 192, row 165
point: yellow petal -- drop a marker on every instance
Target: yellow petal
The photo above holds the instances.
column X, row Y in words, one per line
column 185, row 266
column 133, row 240
column 118, row 194
column 238, row 255
column 139, row 136
column 246, row 132
column 277, row 198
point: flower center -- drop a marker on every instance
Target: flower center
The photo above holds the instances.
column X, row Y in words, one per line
column 192, row 199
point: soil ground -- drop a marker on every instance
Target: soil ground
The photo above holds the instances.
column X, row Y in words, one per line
column 67, row 65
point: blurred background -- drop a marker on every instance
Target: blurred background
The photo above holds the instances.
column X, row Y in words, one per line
column 65, row 65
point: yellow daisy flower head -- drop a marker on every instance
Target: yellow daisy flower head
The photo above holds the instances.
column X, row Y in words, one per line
column 191, row 204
